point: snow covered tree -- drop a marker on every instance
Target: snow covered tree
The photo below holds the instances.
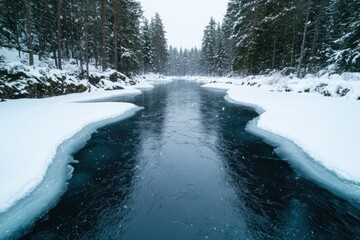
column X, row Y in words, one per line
column 183, row 62
column 147, row 51
column 220, row 57
column 230, row 19
column 130, row 47
column 12, row 28
column 346, row 36
column 159, row 43
column 208, row 49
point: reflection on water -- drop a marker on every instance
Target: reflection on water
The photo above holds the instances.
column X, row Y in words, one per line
column 185, row 168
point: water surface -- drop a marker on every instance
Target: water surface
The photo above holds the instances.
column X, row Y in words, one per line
column 185, row 168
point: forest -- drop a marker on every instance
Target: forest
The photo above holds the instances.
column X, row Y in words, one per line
column 104, row 33
column 294, row 36
column 255, row 37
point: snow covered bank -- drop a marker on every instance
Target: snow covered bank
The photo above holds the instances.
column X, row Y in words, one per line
column 153, row 78
column 327, row 129
column 346, row 85
column 19, row 80
column 31, row 130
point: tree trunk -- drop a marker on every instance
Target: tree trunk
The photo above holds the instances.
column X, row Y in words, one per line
column 95, row 35
column 304, row 38
column 86, row 22
column 55, row 57
column 42, row 42
column 293, row 47
column 103, row 28
column 273, row 55
column 316, row 33
column 115, row 8
column 28, row 28
column 58, row 17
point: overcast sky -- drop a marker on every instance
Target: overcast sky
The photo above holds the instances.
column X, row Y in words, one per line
column 185, row 20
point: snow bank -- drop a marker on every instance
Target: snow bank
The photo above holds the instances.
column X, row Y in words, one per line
column 20, row 80
column 327, row 129
column 346, row 85
column 153, row 78
column 31, row 130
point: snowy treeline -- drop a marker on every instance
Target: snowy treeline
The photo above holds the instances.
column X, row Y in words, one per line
column 183, row 62
column 295, row 36
column 99, row 32
column 80, row 39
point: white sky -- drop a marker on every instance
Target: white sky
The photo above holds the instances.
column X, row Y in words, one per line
column 185, row 20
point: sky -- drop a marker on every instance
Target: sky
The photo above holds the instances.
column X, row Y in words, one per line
column 185, row 20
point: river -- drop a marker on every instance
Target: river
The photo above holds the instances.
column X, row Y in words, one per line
column 185, row 168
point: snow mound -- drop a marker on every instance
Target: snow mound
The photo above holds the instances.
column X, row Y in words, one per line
column 346, row 85
column 153, row 78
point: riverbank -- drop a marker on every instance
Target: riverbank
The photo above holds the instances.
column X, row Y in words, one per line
column 345, row 85
column 327, row 129
column 43, row 79
column 31, row 131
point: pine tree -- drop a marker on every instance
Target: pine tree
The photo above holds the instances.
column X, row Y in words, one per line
column 208, row 48
column 147, row 51
column 346, row 48
column 11, row 31
column 159, row 43
column 130, row 52
column 220, row 57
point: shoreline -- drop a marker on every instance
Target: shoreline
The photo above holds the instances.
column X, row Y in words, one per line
column 298, row 157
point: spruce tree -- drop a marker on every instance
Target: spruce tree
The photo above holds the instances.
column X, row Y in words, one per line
column 147, row 51
column 159, row 43
column 208, row 49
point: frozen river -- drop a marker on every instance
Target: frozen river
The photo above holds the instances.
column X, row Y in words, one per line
column 185, row 168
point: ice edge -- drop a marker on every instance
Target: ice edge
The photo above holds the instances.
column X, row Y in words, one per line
column 302, row 161
column 22, row 215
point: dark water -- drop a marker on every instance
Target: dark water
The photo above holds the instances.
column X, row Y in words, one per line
column 185, row 168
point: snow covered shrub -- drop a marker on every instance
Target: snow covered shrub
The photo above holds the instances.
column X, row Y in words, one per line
column 342, row 91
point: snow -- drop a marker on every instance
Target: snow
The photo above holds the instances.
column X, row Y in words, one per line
column 346, row 85
column 326, row 128
column 31, row 131
column 47, row 76
column 153, row 78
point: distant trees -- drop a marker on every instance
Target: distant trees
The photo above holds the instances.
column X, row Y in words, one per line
column 183, row 62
